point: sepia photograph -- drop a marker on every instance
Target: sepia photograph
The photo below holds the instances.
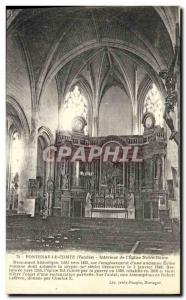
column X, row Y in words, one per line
column 93, row 100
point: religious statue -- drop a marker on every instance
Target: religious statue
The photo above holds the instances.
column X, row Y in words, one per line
column 50, row 188
column 65, row 182
column 88, row 206
column 169, row 78
column 16, row 180
column 21, row 208
column 33, row 188
column 14, row 191
column 132, row 181
column 92, row 180
column 130, row 200
column 112, row 175
column 44, row 200
column 50, row 185
column 44, row 213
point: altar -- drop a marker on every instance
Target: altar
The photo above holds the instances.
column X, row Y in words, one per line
column 115, row 213
column 112, row 188
column 110, row 206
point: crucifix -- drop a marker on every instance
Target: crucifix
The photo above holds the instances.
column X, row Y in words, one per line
column 169, row 78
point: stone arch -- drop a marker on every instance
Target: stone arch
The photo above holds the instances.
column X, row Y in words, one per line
column 142, row 92
column 46, row 134
column 16, row 123
column 17, row 115
column 45, row 170
column 156, row 64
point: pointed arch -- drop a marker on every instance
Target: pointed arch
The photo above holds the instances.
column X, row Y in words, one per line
column 46, row 133
column 16, row 113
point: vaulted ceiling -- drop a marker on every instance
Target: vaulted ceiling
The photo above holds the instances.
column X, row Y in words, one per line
column 96, row 46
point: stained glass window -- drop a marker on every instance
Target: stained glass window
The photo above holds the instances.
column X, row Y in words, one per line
column 153, row 103
column 75, row 105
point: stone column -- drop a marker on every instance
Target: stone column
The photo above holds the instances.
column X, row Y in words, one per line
column 95, row 126
column 135, row 103
column 8, row 154
column 47, row 174
column 75, row 175
column 140, row 175
column 95, row 118
column 8, row 163
column 163, row 172
column 28, row 170
column 123, row 177
column 131, row 176
column 77, row 172
column 126, row 174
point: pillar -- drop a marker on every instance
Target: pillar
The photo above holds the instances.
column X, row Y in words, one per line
column 95, row 126
column 75, row 174
column 95, row 117
column 135, row 103
column 123, row 177
column 163, row 172
column 28, row 170
column 47, row 173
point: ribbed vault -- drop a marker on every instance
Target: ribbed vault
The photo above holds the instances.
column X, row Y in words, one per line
column 94, row 47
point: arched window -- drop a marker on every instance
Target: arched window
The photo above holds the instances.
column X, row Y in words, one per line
column 75, row 105
column 153, row 103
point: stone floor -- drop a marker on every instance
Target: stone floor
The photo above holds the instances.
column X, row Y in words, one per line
column 93, row 235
